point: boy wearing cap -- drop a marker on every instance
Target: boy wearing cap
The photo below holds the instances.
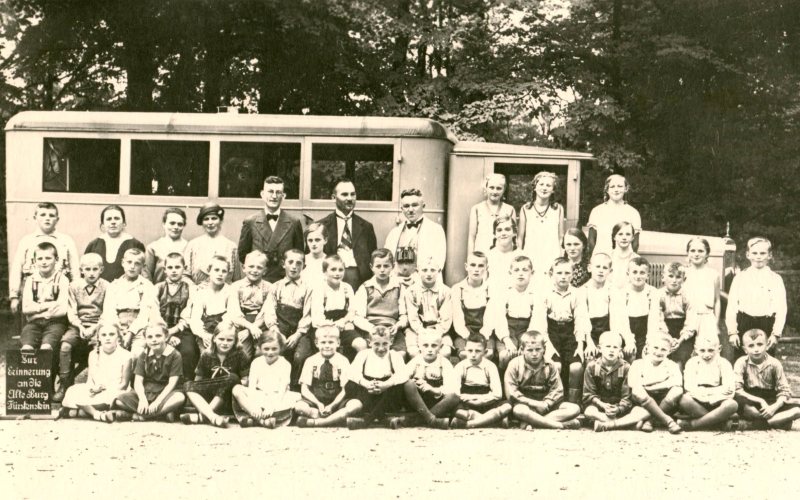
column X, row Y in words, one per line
column 201, row 250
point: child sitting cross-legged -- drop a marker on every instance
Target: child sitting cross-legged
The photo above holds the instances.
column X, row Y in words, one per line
column 709, row 385
column 480, row 390
column 656, row 383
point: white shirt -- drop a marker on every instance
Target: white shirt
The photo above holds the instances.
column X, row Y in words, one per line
column 605, row 216
column 757, row 292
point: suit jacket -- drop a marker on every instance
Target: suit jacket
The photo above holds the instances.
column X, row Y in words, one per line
column 364, row 243
column 257, row 235
column 431, row 241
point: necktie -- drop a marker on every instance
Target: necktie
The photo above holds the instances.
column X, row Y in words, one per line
column 326, row 371
column 347, row 238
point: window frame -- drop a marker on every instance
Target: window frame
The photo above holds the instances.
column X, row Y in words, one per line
column 67, row 136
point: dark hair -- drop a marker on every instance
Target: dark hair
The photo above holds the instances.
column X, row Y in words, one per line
column 381, row 253
column 675, row 268
column 480, row 255
column 176, row 255
column 577, row 233
column 109, row 208
column 754, row 333
column 46, row 205
column 296, row 251
column 639, row 261
column 315, row 226
column 340, row 180
column 271, row 337
column 558, row 261
column 326, row 262
column 273, row 179
column 176, row 211
column 477, row 338
column 46, row 245
column 617, row 228
column 503, row 220
column 410, row 192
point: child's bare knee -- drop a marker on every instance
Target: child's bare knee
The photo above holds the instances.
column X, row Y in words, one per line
column 65, row 347
column 519, row 409
column 46, row 347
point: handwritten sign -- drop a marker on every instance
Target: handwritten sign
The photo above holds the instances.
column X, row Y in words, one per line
column 28, row 382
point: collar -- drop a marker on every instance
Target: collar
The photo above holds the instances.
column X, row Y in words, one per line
column 41, row 279
column 166, row 352
column 608, row 369
column 342, row 216
column 565, row 293
column 277, row 212
column 394, row 282
column 410, row 225
column 762, row 365
column 433, row 289
column 39, row 233
column 289, row 281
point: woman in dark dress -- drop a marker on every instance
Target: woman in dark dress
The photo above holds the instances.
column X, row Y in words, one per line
column 113, row 242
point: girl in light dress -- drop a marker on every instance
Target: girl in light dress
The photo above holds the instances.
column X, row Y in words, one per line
column 502, row 253
column 702, row 289
column 316, row 237
column 483, row 215
column 622, row 253
column 541, row 226
column 174, row 221
column 611, row 212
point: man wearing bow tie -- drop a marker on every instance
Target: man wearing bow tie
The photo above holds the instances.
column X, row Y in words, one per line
column 349, row 236
column 417, row 233
column 272, row 231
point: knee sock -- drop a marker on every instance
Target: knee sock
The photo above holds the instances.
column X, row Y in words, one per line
column 446, row 406
column 488, row 418
column 656, row 411
column 414, row 399
column 65, row 367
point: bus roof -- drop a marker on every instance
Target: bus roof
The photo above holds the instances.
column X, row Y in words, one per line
column 472, row 148
column 229, row 123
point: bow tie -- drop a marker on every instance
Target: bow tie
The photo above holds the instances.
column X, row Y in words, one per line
column 411, row 225
column 272, row 217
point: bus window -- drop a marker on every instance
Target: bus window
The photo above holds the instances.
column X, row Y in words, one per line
column 245, row 165
column 370, row 165
column 176, row 168
column 81, row 165
column 519, row 177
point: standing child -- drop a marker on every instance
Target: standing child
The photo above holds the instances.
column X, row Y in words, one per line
column 221, row 367
column 429, row 308
column 332, row 304
column 173, row 294
column 110, row 370
column 322, row 384
column 266, row 399
column 86, row 297
column 709, row 384
column 24, row 263
column 757, row 298
column 131, row 300
column 762, row 390
column 656, row 384
column 316, row 237
column 157, row 378
column 375, row 381
column 542, row 224
column 287, row 313
column 576, row 250
column 249, row 296
column 533, row 386
column 702, row 288
column 156, row 253
column 470, row 298
column 502, row 253
column 637, row 302
column 431, row 386
column 600, row 301
column 480, row 389
column 483, row 214
column 611, row 212
column 512, row 312
column 212, row 303
column 563, row 316
column 379, row 301
column 673, row 310
column 113, row 243
column 44, row 302
column 622, row 253
column 213, row 243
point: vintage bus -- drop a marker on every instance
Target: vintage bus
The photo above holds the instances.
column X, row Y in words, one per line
column 147, row 162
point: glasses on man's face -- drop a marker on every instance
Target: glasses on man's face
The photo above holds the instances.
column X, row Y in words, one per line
column 406, row 206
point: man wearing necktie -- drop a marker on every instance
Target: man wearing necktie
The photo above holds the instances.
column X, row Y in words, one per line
column 354, row 239
column 417, row 234
column 272, row 231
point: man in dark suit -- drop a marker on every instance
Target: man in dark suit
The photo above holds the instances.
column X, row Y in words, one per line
column 272, row 231
column 349, row 236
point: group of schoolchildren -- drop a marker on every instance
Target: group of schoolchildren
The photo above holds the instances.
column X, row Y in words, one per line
column 580, row 340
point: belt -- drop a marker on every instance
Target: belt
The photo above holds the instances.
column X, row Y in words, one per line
column 127, row 311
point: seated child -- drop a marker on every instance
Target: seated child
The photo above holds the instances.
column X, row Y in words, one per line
column 637, row 303
column 762, row 390
column 332, row 304
column 598, row 297
column 431, row 386
column 429, row 308
column 251, row 294
column 287, row 312
column 86, row 297
column 131, row 301
column 44, row 302
column 110, row 371
column 470, row 298
column 606, row 395
column 406, row 268
column 566, row 321
column 379, row 301
column 220, row 368
column 375, row 381
column 322, row 384
column 480, row 389
column 157, row 377
column 672, row 305
column 266, row 399
column 212, row 303
column 512, row 311
column 656, row 383
column 533, row 387
column 173, row 293
column 709, row 385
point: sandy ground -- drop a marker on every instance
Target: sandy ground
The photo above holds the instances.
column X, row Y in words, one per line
column 78, row 459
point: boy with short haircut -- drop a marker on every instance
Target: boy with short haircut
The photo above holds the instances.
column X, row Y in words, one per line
column 431, row 386
column 672, row 305
column 533, row 387
column 606, row 394
column 251, row 294
column 638, row 305
column 429, row 307
column 131, row 301
column 709, row 384
column 480, row 389
column 287, row 312
column 322, row 384
column 656, row 383
column 470, row 298
column 44, row 302
column 24, row 264
column 757, row 298
column 332, row 304
column 174, row 292
column 599, row 298
column 762, row 390
column 379, row 301
column 85, row 300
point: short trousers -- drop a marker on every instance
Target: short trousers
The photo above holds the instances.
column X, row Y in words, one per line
column 37, row 332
